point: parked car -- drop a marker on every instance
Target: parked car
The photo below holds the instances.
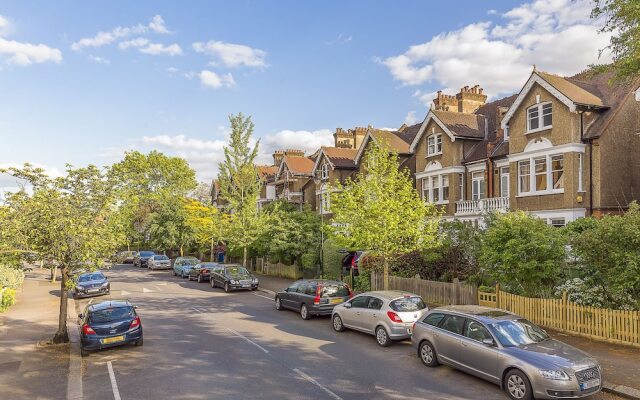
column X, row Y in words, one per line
column 389, row 314
column 182, row 265
column 159, row 261
column 124, row 257
column 142, row 257
column 108, row 324
column 231, row 277
column 201, row 272
column 507, row 350
column 313, row 297
column 91, row 284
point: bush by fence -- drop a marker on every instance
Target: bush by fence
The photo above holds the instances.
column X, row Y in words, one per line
column 432, row 292
column 7, row 298
column 277, row 269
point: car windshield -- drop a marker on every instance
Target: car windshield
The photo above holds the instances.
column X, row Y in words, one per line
column 90, row 277
column 518, row 332
column 189, row 261
column 161, row 258
column 110, row 314
column 334, row 291
column 408, row 304
column 146, row 253
column 234, row 271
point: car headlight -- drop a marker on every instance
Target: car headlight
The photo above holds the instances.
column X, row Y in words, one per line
column 234, row 282
column 554, row 375
column 255, row 280
column 105, row 284
column 79, row 288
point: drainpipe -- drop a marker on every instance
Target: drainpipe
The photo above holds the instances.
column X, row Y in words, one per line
column 590, row 147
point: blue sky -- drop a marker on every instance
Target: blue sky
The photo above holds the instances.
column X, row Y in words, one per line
column 165, row 75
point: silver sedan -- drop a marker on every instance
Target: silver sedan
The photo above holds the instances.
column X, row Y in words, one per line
column 389, row 315
column 507, row 350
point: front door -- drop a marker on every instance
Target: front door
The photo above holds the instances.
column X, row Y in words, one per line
column 371, row 315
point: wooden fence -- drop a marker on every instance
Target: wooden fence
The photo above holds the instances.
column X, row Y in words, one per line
column 432, row 292
column 277, row 269
column 615, row 326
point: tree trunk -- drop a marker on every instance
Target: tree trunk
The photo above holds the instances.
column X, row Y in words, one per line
column 54, row 272
column 181, row 251
column 244, row 256
column 385, row 274
column 211, row 251
column 62, row 335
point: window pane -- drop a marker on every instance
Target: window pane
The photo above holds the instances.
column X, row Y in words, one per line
column 425, row 189
column 541, row 173
column 360, row 302
column 524, row 177
column 435, row 189
column 557, row 168
column 546, row 115
column 431, row 148
column 439, row 143
column 433, row 319
column 453, row 323
column 476, row 331
column 445, row 187
column 533, row 118
column 375, row 303
column 461, row 182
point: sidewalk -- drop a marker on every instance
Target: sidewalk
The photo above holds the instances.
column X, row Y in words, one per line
column 273, row 283
column 620, row 364
column 29, row 371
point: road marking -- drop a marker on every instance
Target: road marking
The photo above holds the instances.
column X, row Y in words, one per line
column 313, row 381
column 124, row 293
column 248, row 340
column 114, row 384
column 197, row 310
column 159, row 290
column 264, row 297
column 145, row 290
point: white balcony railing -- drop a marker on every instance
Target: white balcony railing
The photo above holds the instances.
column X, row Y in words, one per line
column 476, row 207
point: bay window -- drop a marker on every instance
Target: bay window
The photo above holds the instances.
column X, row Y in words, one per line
column 434, row 145
column 540, row 165
column 541, row 175
column 539, row 117
column 445, row 187
column 557, row 171
column 435, row 189
column 477, row 185
column 524, row 176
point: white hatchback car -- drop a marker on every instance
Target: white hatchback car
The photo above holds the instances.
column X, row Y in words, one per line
column 159, row 261
column 389, row 314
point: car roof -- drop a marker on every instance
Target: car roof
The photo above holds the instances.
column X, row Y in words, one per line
column 323, row 281
column 109, row 304
column 390, row 294
column 187, row 258
column 231, row 265
column 486, row 314
column 90, row 273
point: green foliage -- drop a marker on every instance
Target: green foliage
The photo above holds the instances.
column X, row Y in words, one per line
column 622, row 20
column 11, row 277
column 362, row 282
column 609, row 256
column 331, row 260
column 170, row 228
column 208, row 224
column 310, row 261
column 7, row 299
column 380, row 211
column 486, row 289
column 523, row 253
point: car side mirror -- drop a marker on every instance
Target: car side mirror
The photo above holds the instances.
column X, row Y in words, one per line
column 347, row 305
column 488, row 342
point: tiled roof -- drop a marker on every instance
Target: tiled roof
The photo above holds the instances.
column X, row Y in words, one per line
column 341, row 157
column 463, row 124
column 408, row 133
column 574, row 92
column 267, row 172
column 501, row 150
column 299, row 165
column 392, row 139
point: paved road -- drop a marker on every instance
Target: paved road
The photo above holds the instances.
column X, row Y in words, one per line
column 202, row 343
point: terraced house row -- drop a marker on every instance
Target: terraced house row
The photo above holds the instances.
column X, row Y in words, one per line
column 562, row 148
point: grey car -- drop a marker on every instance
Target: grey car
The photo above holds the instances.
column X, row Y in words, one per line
column 91, row 284
column 389, row 314
column 313, row 297
column 507, row 350
column 158, row 261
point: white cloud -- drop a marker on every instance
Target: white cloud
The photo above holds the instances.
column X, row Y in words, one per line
column 99, row 60
column 411, row 118
column 105, row 38
column 145, row 46
column 308, row 141
column 556, row 35
column 340, row 39
column 212, row 80
column 26, row 53
column 5, row 26
column 232, row 55
column 137, row 42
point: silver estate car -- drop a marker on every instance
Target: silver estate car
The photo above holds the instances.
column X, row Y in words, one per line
column 389, row 315
column 507, row 350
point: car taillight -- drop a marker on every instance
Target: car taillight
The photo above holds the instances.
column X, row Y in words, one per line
column 316, row 300
column 354, row 262
column 413, row 327
column 134, row 323
column 394, row 317
column 87, row 330
column 205, row 271
column 350, row 292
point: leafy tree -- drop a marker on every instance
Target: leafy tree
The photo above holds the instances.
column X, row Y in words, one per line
column 66, row 219
column 170, row 228
column 622, row 19
column 523, row 252
column 381, row 212
column 240, row 186
column 609, row 257
column 202, row 193
column 208, row 224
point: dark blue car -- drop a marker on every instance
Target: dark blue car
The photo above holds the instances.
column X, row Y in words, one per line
column 91, row 284
column 109, row 324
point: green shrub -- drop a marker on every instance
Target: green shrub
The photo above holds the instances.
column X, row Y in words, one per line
column 11, row 277
column 362, row 282
column 309, row 261
column 332, row 260
column 486, row 289
column 8, row 299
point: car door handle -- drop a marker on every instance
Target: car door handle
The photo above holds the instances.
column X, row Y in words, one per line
column 374, row 315
column 436, row 334
column 357, row 313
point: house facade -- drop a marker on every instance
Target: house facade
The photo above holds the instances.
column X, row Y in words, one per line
column 294, row 173
column 333, row 165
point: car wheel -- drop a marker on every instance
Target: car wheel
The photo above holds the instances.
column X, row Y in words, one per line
column 226, row 287
column 382, row 337
column 213, row 283
column 517, row 385
column 199, row 278
column 428, row 354
column 337, row 323
column 83, row 352
column 174, row 273
column 279, row 304
column 254, row 288
column 304, row 312
column 139, row 342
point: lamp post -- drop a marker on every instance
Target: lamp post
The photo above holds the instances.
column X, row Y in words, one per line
column 318, row 181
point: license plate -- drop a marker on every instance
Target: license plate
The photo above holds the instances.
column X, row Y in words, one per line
column 114, row 339
column 336, row 301
column 590, row 384
column 409, row 331
column 93, row 290
column 246, row 285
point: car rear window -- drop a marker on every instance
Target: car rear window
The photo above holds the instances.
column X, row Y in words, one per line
column 408, row 304
column 163, row 258
column 433, row 319
column 110, row 314
column 334, row 291
column 146, row 253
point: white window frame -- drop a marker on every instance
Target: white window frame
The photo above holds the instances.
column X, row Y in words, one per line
column 504, row 174
column 532, row 176
column 324, row 171
column 541, row 127
column 436, row 138
column 461, row 178
column 477, row 182
column 580, row 172
column 427, row 188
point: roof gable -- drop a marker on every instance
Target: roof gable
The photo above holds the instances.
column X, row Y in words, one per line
column 395, row 142
column 454, row 124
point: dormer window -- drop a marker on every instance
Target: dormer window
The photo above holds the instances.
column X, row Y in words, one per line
column 539, row 117
column 324, row 171
column 434, row 145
